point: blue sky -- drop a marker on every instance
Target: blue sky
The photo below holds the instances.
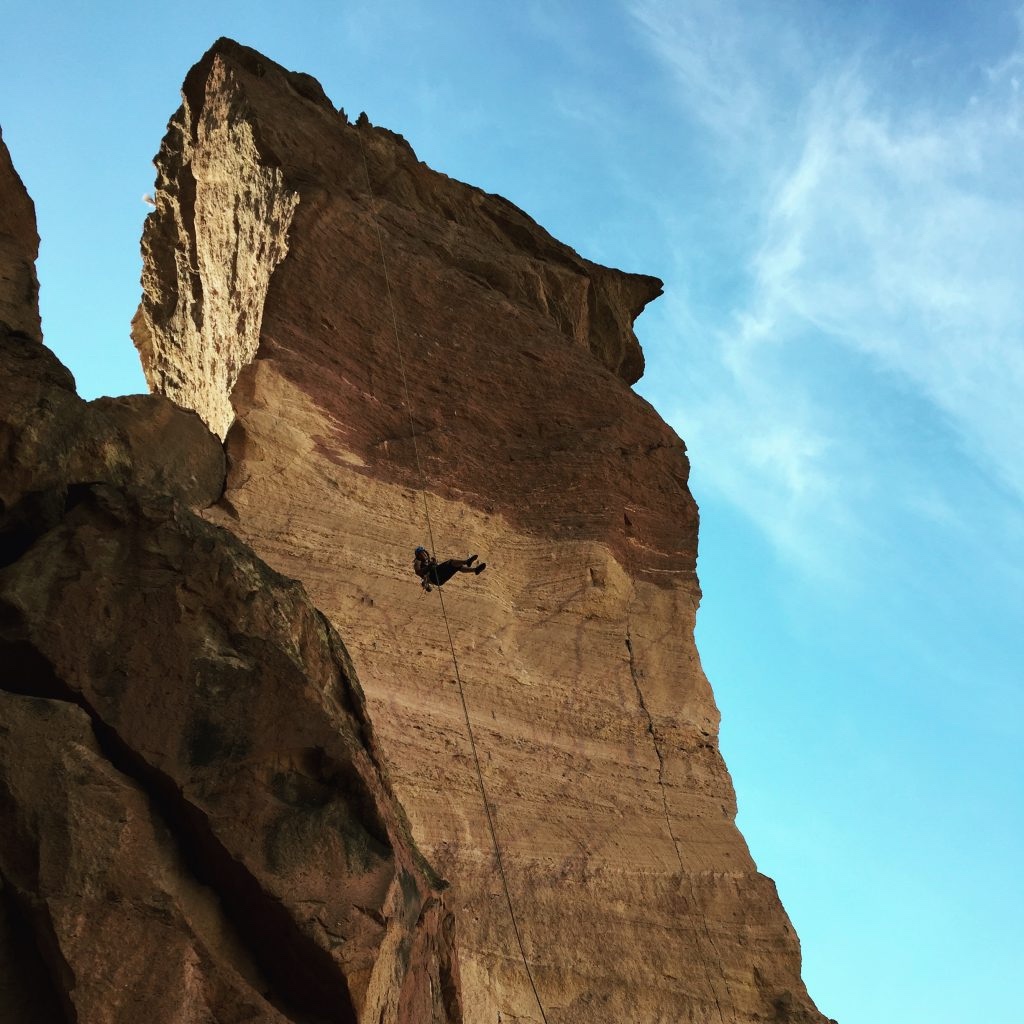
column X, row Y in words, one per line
column 832, row 194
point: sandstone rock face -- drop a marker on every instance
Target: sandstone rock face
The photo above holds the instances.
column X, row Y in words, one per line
column 87, row 865
column 519, row 435
column 195, row 824
column 215, row 181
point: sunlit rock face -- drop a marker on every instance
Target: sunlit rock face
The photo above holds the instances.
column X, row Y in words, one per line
column 485, row 407
column 195, row 821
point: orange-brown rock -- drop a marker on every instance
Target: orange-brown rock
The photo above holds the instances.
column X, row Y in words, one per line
column 97, row 891
column 216, row 687
column 51, row 438
column 195, row 824
column 266, row 309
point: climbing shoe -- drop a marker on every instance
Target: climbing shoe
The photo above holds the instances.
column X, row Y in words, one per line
column 471, row 559
column 480, row 568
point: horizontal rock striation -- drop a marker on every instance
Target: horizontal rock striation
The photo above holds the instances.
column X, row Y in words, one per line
column 195, row 824
column 420, row 362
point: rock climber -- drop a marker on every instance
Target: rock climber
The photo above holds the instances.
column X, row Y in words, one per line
column 433, row 574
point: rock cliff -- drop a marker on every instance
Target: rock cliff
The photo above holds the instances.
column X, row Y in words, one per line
column 19, row 246
column 195, row 821
column 379, row 344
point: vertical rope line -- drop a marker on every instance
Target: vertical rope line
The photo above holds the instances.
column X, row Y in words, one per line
column 444, row 613
column 490, row 819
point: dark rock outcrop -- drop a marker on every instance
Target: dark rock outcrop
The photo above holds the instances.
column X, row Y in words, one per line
column 19, row 246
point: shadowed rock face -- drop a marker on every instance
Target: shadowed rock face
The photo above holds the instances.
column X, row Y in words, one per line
column 195, row 824
column 19, row 246
column 266, row 309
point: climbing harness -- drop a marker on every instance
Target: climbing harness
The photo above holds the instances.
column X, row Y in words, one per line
column 451, row 643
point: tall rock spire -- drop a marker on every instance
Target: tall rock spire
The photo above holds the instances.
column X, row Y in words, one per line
column 267, row 310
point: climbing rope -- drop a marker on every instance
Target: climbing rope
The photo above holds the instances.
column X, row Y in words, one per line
column 430, row 533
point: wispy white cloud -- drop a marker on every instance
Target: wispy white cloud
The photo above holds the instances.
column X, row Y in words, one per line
column 886, row 239
column 702, row 42
column 882, row 235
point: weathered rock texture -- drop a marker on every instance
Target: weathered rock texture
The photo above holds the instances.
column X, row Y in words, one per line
column 195, row 825
column 264, row 286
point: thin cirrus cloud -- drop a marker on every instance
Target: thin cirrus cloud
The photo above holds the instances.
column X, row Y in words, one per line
column 887, row 240
column 881, row 244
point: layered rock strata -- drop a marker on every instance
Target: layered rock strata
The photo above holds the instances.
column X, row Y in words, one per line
column 382, row 344
column 195, row 824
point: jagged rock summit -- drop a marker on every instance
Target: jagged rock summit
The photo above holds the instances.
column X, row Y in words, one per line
column 380, row 344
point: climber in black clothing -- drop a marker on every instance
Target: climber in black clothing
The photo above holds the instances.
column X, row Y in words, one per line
column 433, row 574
